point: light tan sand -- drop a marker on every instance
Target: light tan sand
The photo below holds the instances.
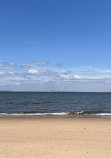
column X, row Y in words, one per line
column 55, row 138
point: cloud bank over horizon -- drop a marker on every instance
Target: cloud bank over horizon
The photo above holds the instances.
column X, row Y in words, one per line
column 44, row 76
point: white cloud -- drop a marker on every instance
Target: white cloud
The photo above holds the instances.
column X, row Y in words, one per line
column 2, row 64
column 11, row 73
column 2, row 73
column 12, row 64
column 39, row 63
column 17, row 84
column 32, row 72
column 34, row 64
column 76, row 76
column 25, row 66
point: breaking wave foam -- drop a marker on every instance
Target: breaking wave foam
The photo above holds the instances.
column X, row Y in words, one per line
column 79, row 113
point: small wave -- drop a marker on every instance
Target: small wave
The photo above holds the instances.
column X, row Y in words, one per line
column 104, row 114
column 76, row 113
column 84, row 112
column 32, row 114
column 90, row 113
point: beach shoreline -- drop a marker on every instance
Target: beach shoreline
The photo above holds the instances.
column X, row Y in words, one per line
column 55, row 137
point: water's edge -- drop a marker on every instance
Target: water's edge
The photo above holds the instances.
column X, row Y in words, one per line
column 57, row 114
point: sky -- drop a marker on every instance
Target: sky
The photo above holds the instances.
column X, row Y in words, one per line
column 62, row 45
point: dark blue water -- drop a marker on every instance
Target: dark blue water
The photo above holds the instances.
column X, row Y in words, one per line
column 54, row 103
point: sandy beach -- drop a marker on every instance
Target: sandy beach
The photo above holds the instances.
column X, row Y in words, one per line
column 55, row 138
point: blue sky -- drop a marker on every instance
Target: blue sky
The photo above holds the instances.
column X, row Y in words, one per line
column 62, row 45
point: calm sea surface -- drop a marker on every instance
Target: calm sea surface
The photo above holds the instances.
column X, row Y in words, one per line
column 54, row 104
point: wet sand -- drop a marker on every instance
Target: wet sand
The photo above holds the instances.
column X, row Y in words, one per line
column 55, row 138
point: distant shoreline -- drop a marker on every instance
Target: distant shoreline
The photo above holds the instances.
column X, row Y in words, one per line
column 51, row 91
